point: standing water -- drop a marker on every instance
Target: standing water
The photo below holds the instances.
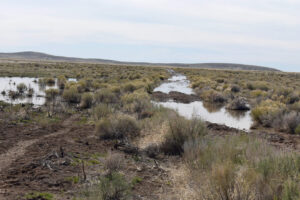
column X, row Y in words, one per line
column 8, row 84
column 178, row 83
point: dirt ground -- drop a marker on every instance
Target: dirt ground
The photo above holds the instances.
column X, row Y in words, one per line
column 34, row 158
column 34, row 162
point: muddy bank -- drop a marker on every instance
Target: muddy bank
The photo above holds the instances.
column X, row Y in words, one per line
column 175, row 96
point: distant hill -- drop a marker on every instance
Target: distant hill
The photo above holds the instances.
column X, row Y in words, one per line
column 36, row 56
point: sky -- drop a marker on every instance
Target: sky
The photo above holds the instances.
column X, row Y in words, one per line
column 259, row 32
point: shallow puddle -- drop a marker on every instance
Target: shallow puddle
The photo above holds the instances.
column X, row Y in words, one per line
column 10, row 84
column 177, row 83
column 213, row 113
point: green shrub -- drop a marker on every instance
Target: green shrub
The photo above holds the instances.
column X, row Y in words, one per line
column 39, row 195
column 113, row 163
column 290, row 121
column 86, row 100
column 61, row 81
column 105, row 96
column 21, row 87
column 242, row 167
column 115, row 187
column 136, row 102
column 149, row 88
column 250, row 86
column 258, row 93
column 102, row 111
column 129, row 87
column 136, row 180
column 117, row 127
column 112, row 187
column 71, row 95
column 46, row 81
column 262, row 85
column 213, row 96
column 180, row 131
column 85, row 85
column 266, row 112
column 51, row 93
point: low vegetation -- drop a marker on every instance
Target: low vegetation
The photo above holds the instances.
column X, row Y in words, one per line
column 182, row 132
column 242, row 167
column 114, row 143
column 270, row 95
column 117, row 127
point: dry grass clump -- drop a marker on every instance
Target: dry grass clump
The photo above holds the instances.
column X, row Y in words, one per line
column 267, row 111
column 85, row 85
column 287, row 121
column 129, row 87
column 180, row 132
column 105, row 95
column 101, row 111
column 114, row 187
column 71, row 95
column 118, row 127
column 86, row 100
column 113, row 163
column 61, row 82
column 136, row 102
column 21, row 88
column 111, row 186
column 47, row 81
column 241, row 167
column 213, row 96
column 258, row 93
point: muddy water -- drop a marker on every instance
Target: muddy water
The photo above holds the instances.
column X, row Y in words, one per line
column 216, row 114
column 177, row 83
column 10, row 84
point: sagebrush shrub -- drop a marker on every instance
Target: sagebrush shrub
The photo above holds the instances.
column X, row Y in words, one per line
column 61, row 82
column 118, row 127
column 72, row 95
column 180, row 131
column 101, row 110
column 86, row 100
column 21, row 87
column 105, row 95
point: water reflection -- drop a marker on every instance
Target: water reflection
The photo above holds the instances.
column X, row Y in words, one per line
column 212, row 107
column 223, row 116
column 35, row 93
column 215, row 113
column 177, row 83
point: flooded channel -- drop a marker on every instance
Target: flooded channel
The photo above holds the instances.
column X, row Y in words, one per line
column 216, row 114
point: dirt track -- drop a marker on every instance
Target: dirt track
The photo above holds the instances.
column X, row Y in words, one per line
column 22, row 166
column 20, row 148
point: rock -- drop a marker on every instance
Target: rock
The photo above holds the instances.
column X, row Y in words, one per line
column 239, row 103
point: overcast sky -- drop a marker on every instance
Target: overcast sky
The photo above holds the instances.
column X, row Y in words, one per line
column 260, row 32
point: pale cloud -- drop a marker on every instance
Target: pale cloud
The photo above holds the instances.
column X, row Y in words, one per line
column 226, row 26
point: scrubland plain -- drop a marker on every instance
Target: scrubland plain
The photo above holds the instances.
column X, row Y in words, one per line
column 102, row 138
